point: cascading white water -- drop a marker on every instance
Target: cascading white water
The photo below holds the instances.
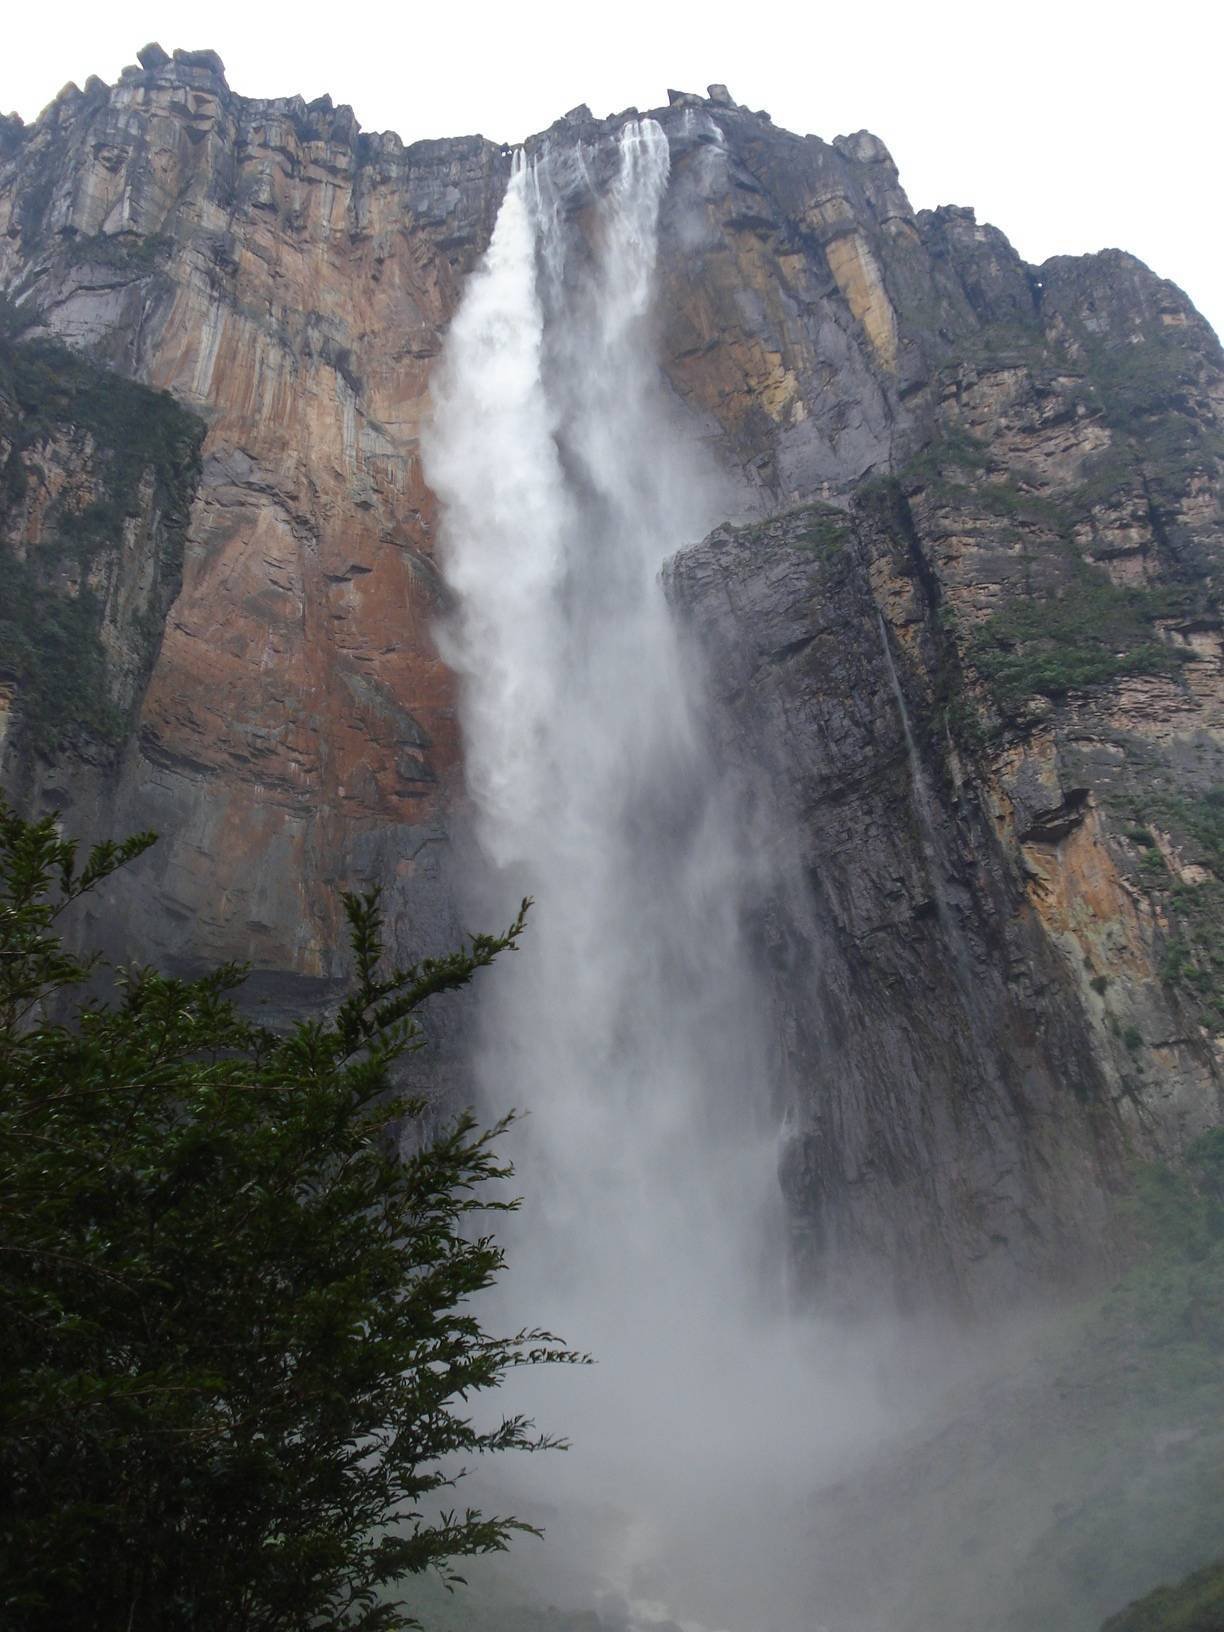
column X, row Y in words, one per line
column 630, row 1025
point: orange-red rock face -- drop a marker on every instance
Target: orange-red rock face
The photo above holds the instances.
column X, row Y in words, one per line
column 288, row 280
column 1000, row 431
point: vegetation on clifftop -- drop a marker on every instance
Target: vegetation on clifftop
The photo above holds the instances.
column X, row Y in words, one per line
column 1089, row 633
column 1193, row 907
column 1142, row 1391
column 1194, row 1605
column 140, row 429
column 825, row 529
column 1062, row 624
column 1084, row 1465
column 123, row 456
column 49, row 645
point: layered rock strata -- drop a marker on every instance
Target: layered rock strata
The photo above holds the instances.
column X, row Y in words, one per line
column 988, row 689
column 961, row 627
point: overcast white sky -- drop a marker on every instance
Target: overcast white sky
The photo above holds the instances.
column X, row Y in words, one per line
column 1072, row 126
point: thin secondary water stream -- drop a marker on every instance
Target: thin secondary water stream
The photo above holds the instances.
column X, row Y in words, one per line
column 923, row 806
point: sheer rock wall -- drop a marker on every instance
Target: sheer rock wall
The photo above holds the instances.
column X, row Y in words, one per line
column 985, row 491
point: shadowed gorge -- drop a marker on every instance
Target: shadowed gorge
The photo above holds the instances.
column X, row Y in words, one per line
column 817, row 609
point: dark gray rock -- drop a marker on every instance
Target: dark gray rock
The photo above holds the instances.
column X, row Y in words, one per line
column 209, row 61
column 967, row 934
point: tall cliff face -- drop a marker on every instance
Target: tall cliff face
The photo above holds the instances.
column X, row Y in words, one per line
column 286, row 279
column 990, row 695
column 961, row 627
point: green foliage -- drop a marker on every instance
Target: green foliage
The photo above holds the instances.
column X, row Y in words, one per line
column 14, row 319
column 1199, row 819
column 1206, row 1162
column 139, row 429
column 1082, row 630
column 1146, row 388
column 1141, row 376
column 955, row 467
column 1168, row 1216
column 1143, row 1438
column 956, row 711
column 1193, row 960
column 951, row 458
column 1194, row 957
column 1114, row 471
column 49, row 643
column 1086, row 1464
column 1075, row 630
column 50, row 619
column 1174, row 1296
column 825, row 529
column 1086, row 635
column 1195, row 1605
column 123, row 252
column 236, row 1344
column 822, row 528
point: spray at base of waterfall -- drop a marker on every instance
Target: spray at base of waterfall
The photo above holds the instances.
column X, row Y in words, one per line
column 632, row 1024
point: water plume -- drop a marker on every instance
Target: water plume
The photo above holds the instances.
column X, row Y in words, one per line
column 631, row 1024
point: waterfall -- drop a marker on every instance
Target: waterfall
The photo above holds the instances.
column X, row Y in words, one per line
column 630, row 1026
column 923, row 807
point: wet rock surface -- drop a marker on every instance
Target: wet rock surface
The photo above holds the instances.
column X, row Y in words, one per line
column 1005, row 983
column 987, row 490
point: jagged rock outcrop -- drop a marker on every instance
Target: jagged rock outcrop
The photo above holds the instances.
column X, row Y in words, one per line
column 962, row 628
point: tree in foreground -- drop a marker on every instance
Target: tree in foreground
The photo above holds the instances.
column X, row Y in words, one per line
column 236, row 1345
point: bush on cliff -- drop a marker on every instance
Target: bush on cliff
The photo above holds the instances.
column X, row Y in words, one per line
column 235, row 1339
column 1195, row 1605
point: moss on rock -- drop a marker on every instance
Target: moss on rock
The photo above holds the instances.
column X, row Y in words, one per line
column 1088, row 633
column 134, row 463
column 1194, row 1605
